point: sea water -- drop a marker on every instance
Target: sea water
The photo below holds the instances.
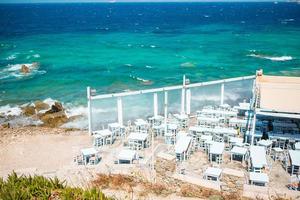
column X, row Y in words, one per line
column 116, row 47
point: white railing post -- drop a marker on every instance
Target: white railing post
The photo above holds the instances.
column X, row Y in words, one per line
column 120, row 111
column 88, row 89
column 222, row 94
column 183, row 96
column 166, row 110
column 155, row 105
column 188, row 101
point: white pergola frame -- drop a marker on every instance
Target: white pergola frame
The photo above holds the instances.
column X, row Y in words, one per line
column 185, row 97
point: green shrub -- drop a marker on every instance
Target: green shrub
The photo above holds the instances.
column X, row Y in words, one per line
column 38, row 187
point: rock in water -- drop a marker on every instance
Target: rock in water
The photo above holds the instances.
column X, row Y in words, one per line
column 39, row 105
column 28, row 110
column 25, row 69
column 57, row 107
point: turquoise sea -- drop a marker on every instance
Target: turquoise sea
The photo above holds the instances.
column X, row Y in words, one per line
column 128, row 46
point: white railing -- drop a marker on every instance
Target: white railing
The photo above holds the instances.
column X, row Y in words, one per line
column 185, row 99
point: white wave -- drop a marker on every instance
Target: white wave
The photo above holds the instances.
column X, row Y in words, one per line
column 50, row 101
column 8, row 110
column 14, row 71
column 36, row 55
column 152, row 46
column 278, row 59
column 11, row 57
column 140, row 79
column 148, row 66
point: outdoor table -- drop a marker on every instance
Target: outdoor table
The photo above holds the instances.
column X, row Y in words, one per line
column 217, row 149
column 260, row 178
column 87, row 153
column 101, row 137
column 295, row 159
column 240, row 151
column 138, row 138
column 141, row 125
column 265, row 143
column 297, row 146
column 234, row 140
column 258, row 157
column 213, row 172
column 127, row 155
column 277, row 151
column 114, row 128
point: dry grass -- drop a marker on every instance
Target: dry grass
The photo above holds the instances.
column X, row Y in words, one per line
column 130, row 184
column 186, row 190
column 116, row 181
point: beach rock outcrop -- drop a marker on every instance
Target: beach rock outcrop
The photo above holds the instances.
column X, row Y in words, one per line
column 56, row 107
column 39, row 105
column 55, row 119
column 25, row 69
column 28, row 110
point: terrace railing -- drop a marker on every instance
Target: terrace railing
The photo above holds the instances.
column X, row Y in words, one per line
column 186, row 98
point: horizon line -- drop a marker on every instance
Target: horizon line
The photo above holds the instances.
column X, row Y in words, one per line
column 151, row 1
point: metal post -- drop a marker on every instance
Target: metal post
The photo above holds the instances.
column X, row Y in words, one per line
column 120, row 111
column 183, row 96
column 89, row 110
column 188, row 101
column 253, row 128
column 222, row 94
column 166, row 110
column 155, row 105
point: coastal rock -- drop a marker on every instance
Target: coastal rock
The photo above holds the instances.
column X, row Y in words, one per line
column 28, row 110
column 39, row 105
column 25, row 69
column 57, row 107
column 54, row 119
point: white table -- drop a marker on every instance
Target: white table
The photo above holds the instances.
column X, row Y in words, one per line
column 102, row 137
column 127, row 155
column 258, row 157
column 87, row 153
column 217, row 149
column 260, row 178
column 265, row 143
column 240, row 151
column 297, row 146
column 295, row 158
column 136, row 138
column 213, row 172
column 234, row 140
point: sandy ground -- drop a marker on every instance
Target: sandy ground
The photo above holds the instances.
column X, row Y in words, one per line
column 39, row 149
column 50, row 152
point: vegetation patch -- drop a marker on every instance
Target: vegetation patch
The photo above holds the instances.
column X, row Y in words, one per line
column 38, row 187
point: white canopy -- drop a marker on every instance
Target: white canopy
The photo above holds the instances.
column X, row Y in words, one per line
column 279, row 93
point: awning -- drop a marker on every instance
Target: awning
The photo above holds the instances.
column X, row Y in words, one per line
column 279, row 93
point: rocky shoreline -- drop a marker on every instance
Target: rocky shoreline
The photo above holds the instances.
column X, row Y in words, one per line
column 39, row 113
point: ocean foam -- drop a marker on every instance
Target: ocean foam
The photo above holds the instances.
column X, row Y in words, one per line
column 278, row 59
column 13, row 71
column 8, row 110
column 11, row 57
